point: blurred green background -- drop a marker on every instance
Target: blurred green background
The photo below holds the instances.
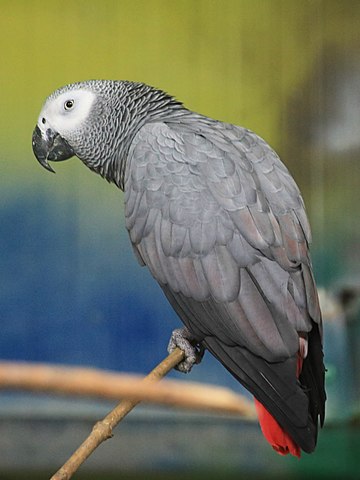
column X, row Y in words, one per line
column 71, row 291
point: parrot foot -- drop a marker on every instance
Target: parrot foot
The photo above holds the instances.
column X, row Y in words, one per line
column 194, row 352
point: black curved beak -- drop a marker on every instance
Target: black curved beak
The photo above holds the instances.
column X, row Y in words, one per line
column 50, row 146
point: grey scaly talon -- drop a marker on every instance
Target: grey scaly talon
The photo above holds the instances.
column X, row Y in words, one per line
column 194, row 352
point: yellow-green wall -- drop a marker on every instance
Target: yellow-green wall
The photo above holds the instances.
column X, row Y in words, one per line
column 235, row 59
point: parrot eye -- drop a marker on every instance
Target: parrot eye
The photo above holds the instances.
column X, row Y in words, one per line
column 68, row 105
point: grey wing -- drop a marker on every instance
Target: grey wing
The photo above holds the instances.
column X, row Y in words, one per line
column 221, row 224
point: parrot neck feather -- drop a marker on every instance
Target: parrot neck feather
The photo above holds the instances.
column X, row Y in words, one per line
column 143, row 105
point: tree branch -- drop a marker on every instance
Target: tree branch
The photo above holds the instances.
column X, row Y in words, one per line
column 113, row 386
column 91, row 382
column 103, row 429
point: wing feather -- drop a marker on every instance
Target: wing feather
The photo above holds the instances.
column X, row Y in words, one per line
column 221, row 224
column 221, row 273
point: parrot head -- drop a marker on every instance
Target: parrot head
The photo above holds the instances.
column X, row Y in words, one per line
column 96, row 121
column 86, row 120
column 62, row 124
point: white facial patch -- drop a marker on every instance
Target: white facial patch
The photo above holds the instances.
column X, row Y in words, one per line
column 66, row 112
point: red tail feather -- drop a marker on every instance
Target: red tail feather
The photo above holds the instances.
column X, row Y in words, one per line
column 281, row 441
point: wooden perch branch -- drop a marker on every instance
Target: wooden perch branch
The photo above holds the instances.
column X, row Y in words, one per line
column 91, row 382
column 103, row 429
column 88, row 382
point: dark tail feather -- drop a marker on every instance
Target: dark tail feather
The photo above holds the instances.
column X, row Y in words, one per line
column 313, row 376
column 280, row 440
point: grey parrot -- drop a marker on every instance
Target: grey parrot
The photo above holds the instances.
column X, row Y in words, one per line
column 219, row 221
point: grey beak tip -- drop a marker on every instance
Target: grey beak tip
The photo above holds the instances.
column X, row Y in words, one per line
column 51, row 146
column 48, row 167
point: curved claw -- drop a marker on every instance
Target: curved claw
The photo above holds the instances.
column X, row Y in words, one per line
column 194, row 352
